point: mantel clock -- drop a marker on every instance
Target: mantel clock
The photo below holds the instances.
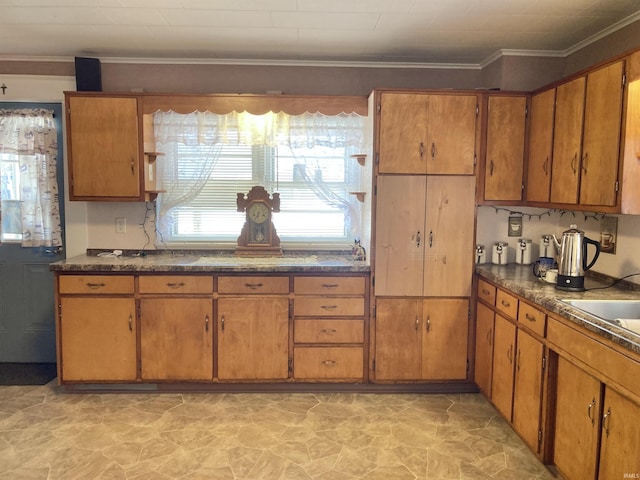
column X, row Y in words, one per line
column 258, row 236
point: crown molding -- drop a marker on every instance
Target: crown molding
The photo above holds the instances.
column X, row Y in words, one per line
column 603, row 33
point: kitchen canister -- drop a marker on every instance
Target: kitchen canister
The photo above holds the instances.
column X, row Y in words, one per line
column 499, row 253
column 523, row 252
column 481, row 255
column 547, row 247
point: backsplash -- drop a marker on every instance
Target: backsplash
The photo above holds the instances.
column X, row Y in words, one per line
column 493, row 223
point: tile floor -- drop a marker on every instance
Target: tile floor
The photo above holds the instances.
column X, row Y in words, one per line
column 48, row 434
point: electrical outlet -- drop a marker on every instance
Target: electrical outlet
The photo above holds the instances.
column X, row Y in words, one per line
column 121, row 225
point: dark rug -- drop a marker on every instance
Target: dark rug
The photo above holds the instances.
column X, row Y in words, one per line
column 27, row 373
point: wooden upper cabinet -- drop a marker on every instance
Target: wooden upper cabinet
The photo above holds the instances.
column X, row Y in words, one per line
column 504, row 163
column 399, row 244
column 567, row 141
column 601, row 141
column 105, row 148
column 424, row 235
column 449, row 234
column 424, row 133
column 540, row 146
column 452, row 134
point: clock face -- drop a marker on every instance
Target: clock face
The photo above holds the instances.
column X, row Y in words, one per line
column 258, row 212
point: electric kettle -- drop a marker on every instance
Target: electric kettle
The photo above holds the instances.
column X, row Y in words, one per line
column 573, row 259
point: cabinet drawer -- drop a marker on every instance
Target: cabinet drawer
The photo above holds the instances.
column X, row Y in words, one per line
column 329, row 285
column 328, row 306
column 487, row 292
column 179, row 284
column 96, row 284
column 328, row 363
column 532, row 317
column 251, row 284
column 328, row 331
column 507, row 304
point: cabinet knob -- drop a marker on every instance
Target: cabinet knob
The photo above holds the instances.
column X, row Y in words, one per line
column 206, row 323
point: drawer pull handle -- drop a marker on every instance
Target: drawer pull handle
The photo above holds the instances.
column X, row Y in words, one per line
column 489, row 332
column 606, row 420
column 485, row 291
column 175, row 285
column 510, row 354
column 329, row 307
column 96, row 285
column 329, row 363
column 531, row 318
column 589, row 407
column 253, row 286
column 328, row 331
column 428, row 324
column 206, row 323
column 130, row 323
column 505, row 303
column 329, row 285
column 222, row 323
column 417, row 327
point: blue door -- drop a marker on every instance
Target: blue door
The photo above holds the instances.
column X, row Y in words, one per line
column 27, row 310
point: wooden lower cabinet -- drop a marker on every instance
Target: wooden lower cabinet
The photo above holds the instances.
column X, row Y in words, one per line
column 620, row 437
column 97, row 339
column 326, row 363
column 253, row 338
column 577, row 426
column 590, row 418
column 176, row 339
column 421, row 339
column 527, row 390
column 503, row 366
column 484, row 348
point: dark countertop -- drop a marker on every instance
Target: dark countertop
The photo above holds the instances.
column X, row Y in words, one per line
column 212, row 263
column 520, row 280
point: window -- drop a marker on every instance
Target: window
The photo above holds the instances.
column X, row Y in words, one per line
column 10, row 179
column 316, row 209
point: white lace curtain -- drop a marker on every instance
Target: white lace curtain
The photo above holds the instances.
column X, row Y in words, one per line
column 29, row 137
column 299, row 132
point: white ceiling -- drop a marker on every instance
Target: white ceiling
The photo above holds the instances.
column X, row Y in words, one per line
column 400, row 31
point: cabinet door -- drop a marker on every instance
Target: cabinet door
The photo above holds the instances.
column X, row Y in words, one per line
column 527, row 394
column 104, row 148
column 540, row 146
column 620, row 444
column 505, row 147
column 448, row 239
column 400, row 235
column 503, row 366
column 176, row 338
column 601, row 142
column 451, row 144
column 577, row 422
column 567, row 141
column 484, row 348
column 98, row 339
column 398, row 340
column 445, row 339
column 253, row 338
column 402, row 133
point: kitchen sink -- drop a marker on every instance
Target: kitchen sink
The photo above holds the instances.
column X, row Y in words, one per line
column 624, row 313
column 608, row 309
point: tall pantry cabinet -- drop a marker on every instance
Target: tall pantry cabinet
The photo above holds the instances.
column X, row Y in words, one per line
column 424, row 187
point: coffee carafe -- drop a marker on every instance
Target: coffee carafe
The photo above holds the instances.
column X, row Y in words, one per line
column 573, row 259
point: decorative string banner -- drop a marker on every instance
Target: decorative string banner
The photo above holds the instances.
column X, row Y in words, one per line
column 538, row 216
